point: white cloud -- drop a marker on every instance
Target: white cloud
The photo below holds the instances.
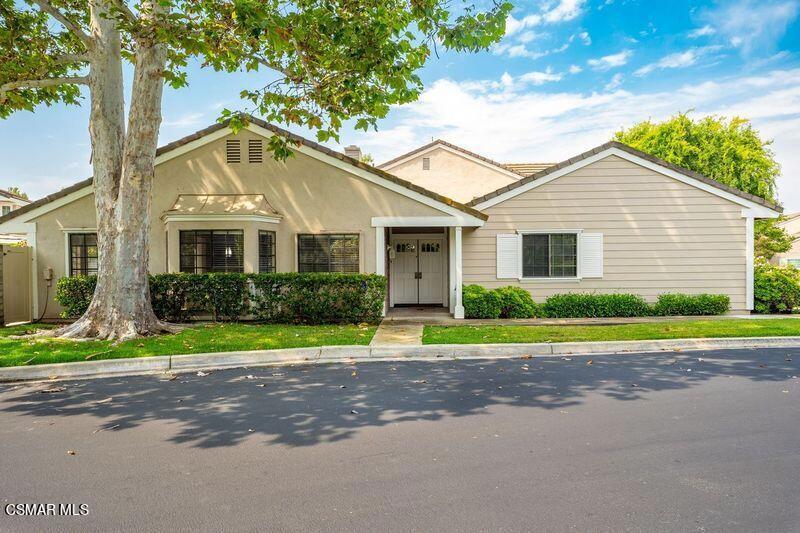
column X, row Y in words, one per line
column 702, row 32
column 540, row 78
column 754, row 26
column 563, row 11
column 615, row 82
column 610, row 61
column 575, row 69
column 185, row 120
column 585, row 37
column 676, row 60
column 524, row 122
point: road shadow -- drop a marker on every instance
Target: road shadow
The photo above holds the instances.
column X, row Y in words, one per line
column 307, row 405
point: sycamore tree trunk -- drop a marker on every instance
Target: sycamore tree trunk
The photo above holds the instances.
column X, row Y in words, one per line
column 124, row 164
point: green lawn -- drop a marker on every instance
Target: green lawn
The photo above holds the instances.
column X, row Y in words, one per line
column 627, row 332
column 199, row 339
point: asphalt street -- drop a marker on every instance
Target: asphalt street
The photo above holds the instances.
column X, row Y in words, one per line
column 686, row 441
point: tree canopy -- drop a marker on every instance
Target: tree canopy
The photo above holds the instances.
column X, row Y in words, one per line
column 730, row 151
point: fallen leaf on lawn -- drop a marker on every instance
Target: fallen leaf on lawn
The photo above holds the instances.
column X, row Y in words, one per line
column 140, row 345
column 107, row 400
column 203, row 374
column 53, row 389
column 71, row 452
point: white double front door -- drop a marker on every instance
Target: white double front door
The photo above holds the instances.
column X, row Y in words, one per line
column 417, row 270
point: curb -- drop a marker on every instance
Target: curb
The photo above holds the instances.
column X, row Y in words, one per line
column 333, row 354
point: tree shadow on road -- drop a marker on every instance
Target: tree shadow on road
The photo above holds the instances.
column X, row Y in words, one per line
column 307, row 405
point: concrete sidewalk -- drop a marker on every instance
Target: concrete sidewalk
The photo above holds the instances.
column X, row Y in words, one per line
column 391, row 334
column 332, row 354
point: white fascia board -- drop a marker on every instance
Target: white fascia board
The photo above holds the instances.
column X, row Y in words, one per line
column 513, row 175
column 753, row 209
column 418, row 222
column 49, row 206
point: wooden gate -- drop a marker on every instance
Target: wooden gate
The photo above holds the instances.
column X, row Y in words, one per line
column 16, row 297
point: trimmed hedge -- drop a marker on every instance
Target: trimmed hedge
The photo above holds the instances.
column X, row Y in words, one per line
column 479, row 302
column 309, row 298
column 515, row 302
column 776, row 289
column 691, row 304
column 578, row 305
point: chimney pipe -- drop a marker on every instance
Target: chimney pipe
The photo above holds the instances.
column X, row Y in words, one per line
column 353, row 151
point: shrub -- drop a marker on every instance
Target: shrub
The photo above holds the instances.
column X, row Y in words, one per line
column 75, row 295
column 578, row 305
column 313, row 298
column 776, row 289
column 691, row 304
column 480, row 302
column 515, row 303
column 318, row 298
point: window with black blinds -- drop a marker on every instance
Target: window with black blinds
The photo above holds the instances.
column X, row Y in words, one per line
column 82, row 254
column 552, row 255
column 212, row 251
column 266, row 251
column 328, row 252
column 233, row 151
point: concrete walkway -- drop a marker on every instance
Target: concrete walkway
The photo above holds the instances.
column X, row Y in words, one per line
column 391, row 334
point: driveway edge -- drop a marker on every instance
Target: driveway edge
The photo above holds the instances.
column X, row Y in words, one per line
column 333, row 354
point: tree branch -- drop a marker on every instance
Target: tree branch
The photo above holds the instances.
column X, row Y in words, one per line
column 48, row 8
column 71, row 58
column 123, row 8
column 40, row 84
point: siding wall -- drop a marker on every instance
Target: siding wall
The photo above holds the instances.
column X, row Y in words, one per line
column 2, row 305
column 660, row 235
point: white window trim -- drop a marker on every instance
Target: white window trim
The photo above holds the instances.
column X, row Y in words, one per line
column 68, row 250
column 569, row 279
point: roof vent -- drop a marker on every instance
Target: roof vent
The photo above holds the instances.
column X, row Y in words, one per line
column 353, row 151
column 233, row 151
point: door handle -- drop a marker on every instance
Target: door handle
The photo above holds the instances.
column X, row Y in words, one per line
column 417, row 275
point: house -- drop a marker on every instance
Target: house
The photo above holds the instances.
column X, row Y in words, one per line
column 8, row 203
column 608, row 220
column 792, row 226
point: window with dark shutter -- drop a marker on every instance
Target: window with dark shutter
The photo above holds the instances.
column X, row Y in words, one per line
column 83, row 254
column 328, row 252
column 266, row 251
column 212, row 251
column 255, row 151
column 233, row 151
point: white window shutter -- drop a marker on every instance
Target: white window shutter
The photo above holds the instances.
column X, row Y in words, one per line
column 509, row 262
column 591, row 255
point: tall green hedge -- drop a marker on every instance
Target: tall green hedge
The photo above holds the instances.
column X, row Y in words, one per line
column 310, row 298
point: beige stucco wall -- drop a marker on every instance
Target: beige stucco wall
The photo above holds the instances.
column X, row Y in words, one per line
column 660, row 235
column 452, row 175
column 312, row 196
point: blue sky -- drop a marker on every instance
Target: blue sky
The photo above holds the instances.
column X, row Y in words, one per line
column 567, row 74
